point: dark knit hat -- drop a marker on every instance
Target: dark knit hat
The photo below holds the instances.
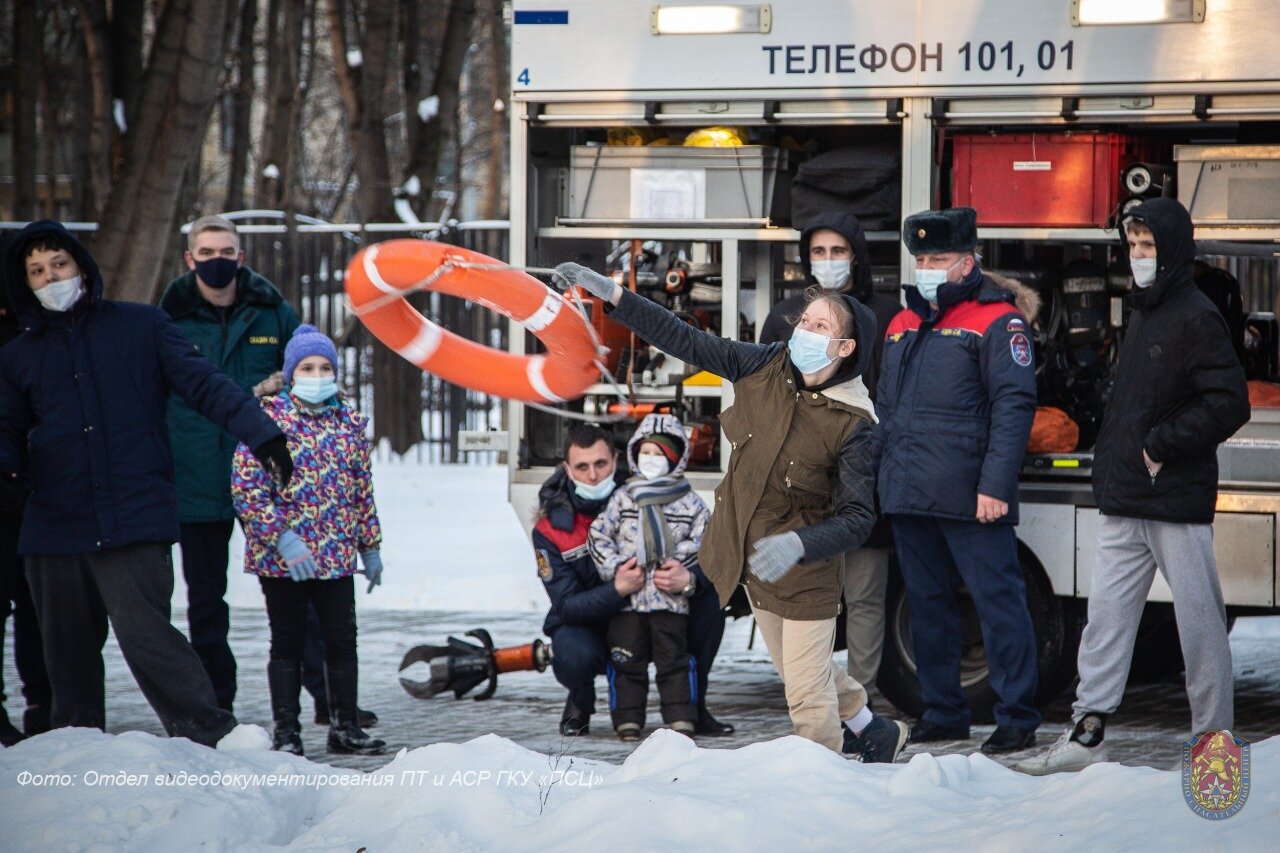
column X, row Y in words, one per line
column 307, row 340
column 667, row 444
column 937, row 231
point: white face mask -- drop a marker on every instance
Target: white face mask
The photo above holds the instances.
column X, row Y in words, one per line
column 1144, row 271
column 928, row 281
column 831, row 275
column 651, row 466
column 61, row 295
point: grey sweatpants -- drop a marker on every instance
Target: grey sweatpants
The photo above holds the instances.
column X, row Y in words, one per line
column 1129, row 551
column 866, row 580
column 76, row 594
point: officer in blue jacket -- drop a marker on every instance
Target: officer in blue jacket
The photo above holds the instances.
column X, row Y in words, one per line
column 582, row 604
column 83, row 394
column 956, row 398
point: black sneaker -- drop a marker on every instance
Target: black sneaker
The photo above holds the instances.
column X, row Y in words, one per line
column 850, row 745
column 882, row 740
column 1009, row 739
column 927, row 732
column 628, row 732
column 709, row 726
column 575, row 726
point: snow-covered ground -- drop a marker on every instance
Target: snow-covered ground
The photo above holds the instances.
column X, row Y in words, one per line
column 453, row 543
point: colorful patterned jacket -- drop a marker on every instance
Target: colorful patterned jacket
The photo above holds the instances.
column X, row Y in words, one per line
column 329, row 501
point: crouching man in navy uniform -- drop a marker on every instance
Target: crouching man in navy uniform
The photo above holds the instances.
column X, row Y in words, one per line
column 582, row 604
column 956, row 398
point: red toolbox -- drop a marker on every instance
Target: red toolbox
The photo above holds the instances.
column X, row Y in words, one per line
column 1062, row 179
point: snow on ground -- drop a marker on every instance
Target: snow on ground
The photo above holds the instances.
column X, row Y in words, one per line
column 451, row 542
column 87, row 790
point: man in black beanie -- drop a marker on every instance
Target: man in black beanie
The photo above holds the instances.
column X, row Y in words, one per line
column 956, row 399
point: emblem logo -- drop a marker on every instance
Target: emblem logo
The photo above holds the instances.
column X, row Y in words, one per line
column 544, row 565
column 1021, row 349
column 920, row 233
column 1215, row 774
column 1016, row 325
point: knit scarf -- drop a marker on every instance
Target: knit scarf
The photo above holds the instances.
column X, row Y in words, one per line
column 651, row 496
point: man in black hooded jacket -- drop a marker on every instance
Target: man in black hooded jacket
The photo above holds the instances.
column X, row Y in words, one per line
column 834, row 256
column 1179, row 392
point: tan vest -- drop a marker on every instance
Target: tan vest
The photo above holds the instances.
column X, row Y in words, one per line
column 782, row 476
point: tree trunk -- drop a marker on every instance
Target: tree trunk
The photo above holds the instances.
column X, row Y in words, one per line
column 397, row 394
column 178, row 91
column 26, row 94
column 493, row 206
column 96, row 29
column 242, row 105
column 431, row 134
column 126, row 54
column 284, row 102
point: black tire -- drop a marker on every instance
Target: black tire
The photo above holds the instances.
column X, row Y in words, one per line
column 1057, row 627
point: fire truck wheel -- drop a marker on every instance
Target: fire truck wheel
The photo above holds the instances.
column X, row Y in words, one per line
column 1057, row 624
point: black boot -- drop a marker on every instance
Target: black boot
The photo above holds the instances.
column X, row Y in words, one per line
column 345, row 734
column 8, row 734
column 709, row 726
column 574, row 722
column 364, row 717
column 284, row 679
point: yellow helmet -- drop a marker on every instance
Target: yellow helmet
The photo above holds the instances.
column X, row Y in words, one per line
column 717, row 137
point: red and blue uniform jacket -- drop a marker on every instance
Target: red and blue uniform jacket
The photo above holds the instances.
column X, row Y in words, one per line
column 578, row 595
column 956, row 399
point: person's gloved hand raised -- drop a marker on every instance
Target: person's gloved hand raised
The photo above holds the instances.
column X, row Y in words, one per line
column 372, row 561
column 274, row 456
column 599, row 286
column 775, row 555
column 297, row 557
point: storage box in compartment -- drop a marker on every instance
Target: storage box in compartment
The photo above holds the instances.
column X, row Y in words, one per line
column 745, row 186
column 1230, row 184
column 1036, row 180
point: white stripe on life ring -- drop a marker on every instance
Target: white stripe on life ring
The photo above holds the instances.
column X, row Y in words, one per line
column 423, row 345
column 534, row 373
column 370, row 260
column 548, row 311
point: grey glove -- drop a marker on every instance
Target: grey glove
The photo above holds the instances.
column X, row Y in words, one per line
column 775, row 555
column 599, row 286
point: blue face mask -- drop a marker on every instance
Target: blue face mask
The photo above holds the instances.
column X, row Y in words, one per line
column 598, row 492
column 314, row 389
column 808, row 351
column 217, row 272
column 928, row 281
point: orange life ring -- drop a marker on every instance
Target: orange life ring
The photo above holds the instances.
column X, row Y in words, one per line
column 380, row 276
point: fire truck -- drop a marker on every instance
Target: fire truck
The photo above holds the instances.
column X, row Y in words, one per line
column 1050, row 117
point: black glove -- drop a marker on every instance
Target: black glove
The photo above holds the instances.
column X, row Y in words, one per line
column 274, row 456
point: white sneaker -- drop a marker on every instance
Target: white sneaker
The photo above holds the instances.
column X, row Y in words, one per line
column 245, row 736
column 1065, row 755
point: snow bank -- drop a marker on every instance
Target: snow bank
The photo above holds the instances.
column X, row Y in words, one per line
column 451, row 542
column 142, row 792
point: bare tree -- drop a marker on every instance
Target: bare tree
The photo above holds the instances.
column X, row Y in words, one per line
column 493, row 205
column 242, row 95
column 26, row 89
column 178, row 90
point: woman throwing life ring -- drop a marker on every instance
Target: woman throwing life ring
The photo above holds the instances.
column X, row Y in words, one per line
column 797, row 495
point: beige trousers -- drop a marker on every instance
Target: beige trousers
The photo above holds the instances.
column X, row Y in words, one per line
column 819, row 693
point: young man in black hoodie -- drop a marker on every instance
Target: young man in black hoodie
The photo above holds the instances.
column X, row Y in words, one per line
column 82, row 402
column 834, row 256
column 1179, row 392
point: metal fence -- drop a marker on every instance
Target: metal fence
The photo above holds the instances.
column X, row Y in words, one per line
column 307, row 260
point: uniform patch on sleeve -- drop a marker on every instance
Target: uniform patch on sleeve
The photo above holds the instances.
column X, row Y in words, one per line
column 1016, row 324
column 544, row 564
column 1021, row 349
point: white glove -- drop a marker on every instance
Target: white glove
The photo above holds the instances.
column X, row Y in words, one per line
column 775, row 555
column 599, row 286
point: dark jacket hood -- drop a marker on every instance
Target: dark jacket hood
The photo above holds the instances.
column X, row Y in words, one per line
column 865, row 332
column 21, row 299
column 182, row 295
column 1170, row 224
column 847, row 225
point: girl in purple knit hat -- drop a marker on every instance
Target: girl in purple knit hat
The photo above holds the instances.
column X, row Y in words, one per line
column 303, row 541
